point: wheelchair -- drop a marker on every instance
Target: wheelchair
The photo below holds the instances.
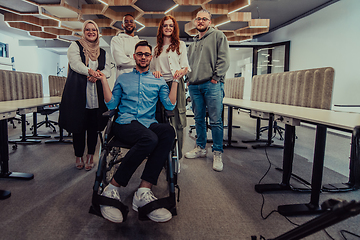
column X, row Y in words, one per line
column 111, row 154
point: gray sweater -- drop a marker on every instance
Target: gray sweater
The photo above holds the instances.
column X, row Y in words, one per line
column 208, row 57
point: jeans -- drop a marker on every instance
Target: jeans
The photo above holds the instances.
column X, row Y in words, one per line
column 208, row 95
column 154, row 142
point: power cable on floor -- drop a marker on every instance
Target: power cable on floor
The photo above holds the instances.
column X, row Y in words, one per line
column 345, row 231
column 263, row 198
column 263, row 202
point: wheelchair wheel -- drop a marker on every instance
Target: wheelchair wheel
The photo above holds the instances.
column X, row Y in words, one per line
column 110, row 159
column 175, row 158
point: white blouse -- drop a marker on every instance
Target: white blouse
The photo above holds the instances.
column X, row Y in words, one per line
column 78, row 66
column 169, row 62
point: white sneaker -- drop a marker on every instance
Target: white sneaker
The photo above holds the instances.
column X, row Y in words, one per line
column 217, row 162
column 111, row 213
column 158, row 215
column 196, row 153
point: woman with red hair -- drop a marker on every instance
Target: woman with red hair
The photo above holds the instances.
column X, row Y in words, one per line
column 170, row 61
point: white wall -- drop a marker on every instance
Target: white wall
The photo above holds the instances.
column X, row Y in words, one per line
column 328, row 37
column 241, row 61
column 32, row 59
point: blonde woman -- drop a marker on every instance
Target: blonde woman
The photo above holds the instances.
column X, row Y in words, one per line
column 82, row 101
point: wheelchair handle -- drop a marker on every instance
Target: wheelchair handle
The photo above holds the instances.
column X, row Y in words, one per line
column 110, row 113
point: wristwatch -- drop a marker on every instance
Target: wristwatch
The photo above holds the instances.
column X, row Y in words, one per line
column 175, row 80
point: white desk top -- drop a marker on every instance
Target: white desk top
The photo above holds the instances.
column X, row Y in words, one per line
column 341, row 120
column 29, row 103
column 7, row 112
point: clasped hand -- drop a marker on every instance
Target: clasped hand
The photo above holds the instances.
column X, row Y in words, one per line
column 178, row 74
column 94, row 75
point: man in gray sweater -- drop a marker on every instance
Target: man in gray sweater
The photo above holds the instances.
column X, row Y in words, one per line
column 209, row 60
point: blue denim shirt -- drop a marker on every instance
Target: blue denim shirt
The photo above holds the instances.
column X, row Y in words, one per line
column 136, row 94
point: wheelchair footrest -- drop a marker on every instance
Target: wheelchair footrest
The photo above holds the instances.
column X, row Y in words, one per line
column 167, row 202
column 98, row 200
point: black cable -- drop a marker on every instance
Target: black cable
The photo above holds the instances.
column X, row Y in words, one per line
column 328, row 234
column 263, row 202
column 345, row 231
column 267, row 171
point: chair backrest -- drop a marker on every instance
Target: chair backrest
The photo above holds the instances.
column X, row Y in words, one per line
column 234, row 87
column 20, row 85
column 56, row 85
column 305, row 88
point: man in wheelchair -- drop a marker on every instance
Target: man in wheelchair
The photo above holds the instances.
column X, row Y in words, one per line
column 135, row 94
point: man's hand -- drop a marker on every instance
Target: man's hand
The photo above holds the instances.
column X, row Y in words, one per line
column 101, row 76
column 214, row 81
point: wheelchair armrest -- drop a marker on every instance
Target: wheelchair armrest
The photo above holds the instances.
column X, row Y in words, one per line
column 110, row 113
column 169, row 113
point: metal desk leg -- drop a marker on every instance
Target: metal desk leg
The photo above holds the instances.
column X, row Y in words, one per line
column 4, row 156
column 313, row 206
column 257, row 139
column 288, row 158
column 4, row 194
column 354, row 174
column 229, row 144
column 61, row 138
column 35, row 135
column 23, row 139
column 270, row 133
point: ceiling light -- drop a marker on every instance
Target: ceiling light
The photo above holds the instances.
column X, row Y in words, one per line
column 258, row 26
column 64, row 40
column 30, row 2
column 223, row 23
column 240, row 8
column 105, row 3
column 170, row 8
column 143, row 26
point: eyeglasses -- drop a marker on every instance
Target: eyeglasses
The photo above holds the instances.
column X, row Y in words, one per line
column 199, row 19
column 90, row 30
column 140, row 54
column 168, row 25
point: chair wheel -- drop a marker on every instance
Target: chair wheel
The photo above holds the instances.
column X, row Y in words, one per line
column 14, row 147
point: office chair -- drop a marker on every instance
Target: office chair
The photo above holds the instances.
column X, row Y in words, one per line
column 46, row 111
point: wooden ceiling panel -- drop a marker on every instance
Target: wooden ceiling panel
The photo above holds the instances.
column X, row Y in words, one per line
column 60, row 18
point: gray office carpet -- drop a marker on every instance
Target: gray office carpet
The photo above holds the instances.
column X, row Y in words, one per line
column 213, row 205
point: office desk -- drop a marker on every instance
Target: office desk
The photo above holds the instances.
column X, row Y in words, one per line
column 291, row 116
column 25, row 106
column 5, row 113
column 8, row 110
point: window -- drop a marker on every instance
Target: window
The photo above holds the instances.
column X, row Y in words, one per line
column 4, row 52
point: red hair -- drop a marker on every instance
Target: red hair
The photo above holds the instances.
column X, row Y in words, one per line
column 175, row 40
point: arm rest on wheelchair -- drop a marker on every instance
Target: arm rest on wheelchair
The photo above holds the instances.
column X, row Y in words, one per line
column 110, row 113
column 169, row 113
